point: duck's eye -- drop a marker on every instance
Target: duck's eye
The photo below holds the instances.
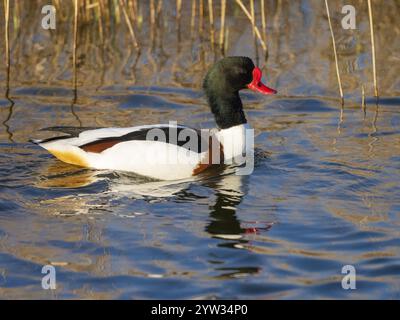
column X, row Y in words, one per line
column 239, row 72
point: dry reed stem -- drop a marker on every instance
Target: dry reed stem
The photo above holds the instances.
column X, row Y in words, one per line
column 129, row 24
column 86, row 11
column 201, row 18
column 178, row 10
column 253, row 23
column 158, row 11
column 193, row 19
column 7, row 30
column 222, row 30
column 178, row 19
column 264, row 26
column 60, row 14
column 152, row 19
column 152, row 13
column 257, row 32
column 7, row 93
column 211, row 17
column 263, row 21
column 334, row 51
column 76, row 8
column 226, row 39
column 117, row 12
column 159, row 22
column 17, row 15
column 134, row 6
column 131, row 11
column 100, row 12
column 74, row 66
column 371, row 24
column 106, row 13
column 253, row 19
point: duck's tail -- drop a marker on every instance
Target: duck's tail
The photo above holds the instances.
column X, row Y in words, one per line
column 63, row 151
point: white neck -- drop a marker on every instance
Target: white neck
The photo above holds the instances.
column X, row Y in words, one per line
column 233, row 141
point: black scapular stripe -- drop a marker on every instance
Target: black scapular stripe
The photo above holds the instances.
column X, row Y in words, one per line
column 72, row 132
column 201, row 145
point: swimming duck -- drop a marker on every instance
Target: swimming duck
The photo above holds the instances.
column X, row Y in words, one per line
column 169, row 151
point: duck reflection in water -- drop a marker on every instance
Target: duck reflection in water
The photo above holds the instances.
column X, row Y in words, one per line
column 229, row 190
column 89, row 192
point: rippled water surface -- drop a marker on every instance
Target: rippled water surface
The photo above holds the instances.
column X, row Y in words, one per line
column 324, row 192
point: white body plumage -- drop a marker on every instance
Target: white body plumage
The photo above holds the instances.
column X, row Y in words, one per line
column 117, row 149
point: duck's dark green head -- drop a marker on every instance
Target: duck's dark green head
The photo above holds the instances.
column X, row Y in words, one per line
column 222, row 84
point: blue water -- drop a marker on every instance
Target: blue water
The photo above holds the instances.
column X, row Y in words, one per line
column 323, row 194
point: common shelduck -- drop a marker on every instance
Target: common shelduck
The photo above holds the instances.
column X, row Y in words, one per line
column 169, row 151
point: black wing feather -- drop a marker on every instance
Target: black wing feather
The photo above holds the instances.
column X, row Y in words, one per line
column 72, row 131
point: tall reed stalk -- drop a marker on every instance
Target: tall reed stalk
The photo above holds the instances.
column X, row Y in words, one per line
column 178, row 19
column 222, row 28
column 253, row 19
column 7, row 30
column 76, row 9
column 159, row 21
column 201, row 18
column 193, row 19
column 253, row 22
column 74, row 76
column 100, row 21
column 129, row 24
column 152, row 22
column 8, row 65
column 371, row 24
column 256, row 30
column 334, row 51
column 211, row 17
column 264, row 26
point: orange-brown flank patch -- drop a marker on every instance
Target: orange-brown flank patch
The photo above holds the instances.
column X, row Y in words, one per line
column 98, row 147
column 69, row 157
column 204, row 165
